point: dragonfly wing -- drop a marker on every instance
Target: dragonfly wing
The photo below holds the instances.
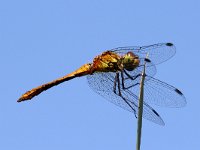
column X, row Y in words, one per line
column 159, row 93
column 163, row 94
column 137, row 72
column 148, row 112
column 103, row 83
column 157, row 53
column 150, row 68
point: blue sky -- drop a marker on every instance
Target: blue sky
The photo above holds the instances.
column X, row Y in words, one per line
column 43, row 40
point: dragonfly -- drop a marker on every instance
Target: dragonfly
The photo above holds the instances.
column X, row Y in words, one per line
column 115, row 74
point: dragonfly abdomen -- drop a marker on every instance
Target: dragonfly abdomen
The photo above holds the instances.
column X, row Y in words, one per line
column 83, row 70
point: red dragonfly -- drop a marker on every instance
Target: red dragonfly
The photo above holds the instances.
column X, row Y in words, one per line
column 116, row 73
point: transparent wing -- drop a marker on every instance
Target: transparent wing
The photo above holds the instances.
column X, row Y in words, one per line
column 163, row 94
column 103, row 83
column 150, row 67
column 157, row 53
column 136, row 73
column 159, row 93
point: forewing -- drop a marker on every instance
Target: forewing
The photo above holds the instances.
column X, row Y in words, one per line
column 103, row 83
column 157, row 53
column 136, row 73
column 150, row 67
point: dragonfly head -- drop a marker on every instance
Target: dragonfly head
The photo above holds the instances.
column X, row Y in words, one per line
column 130, row 61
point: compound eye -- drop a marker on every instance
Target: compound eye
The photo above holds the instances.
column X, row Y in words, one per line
column 130, row 54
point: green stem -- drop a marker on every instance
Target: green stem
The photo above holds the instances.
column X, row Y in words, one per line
column 140, row 110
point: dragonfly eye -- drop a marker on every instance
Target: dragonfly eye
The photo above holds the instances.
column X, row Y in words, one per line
column 130, row 61
column 130, row 54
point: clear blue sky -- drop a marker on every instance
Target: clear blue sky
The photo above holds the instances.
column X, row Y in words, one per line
column 41, row 40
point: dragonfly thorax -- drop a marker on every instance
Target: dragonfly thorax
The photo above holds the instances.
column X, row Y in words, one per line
column 130, row 61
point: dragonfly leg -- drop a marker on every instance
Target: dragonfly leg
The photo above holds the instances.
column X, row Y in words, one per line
column 117, row 79
column 115, row 85
column 122, row 76
column 131, row 77
column 118, row 84
column 131, row 86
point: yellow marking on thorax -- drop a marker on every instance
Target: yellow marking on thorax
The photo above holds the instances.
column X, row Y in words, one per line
column 106, row 62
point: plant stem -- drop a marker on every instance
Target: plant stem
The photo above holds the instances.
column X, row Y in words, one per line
column 140, row 110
